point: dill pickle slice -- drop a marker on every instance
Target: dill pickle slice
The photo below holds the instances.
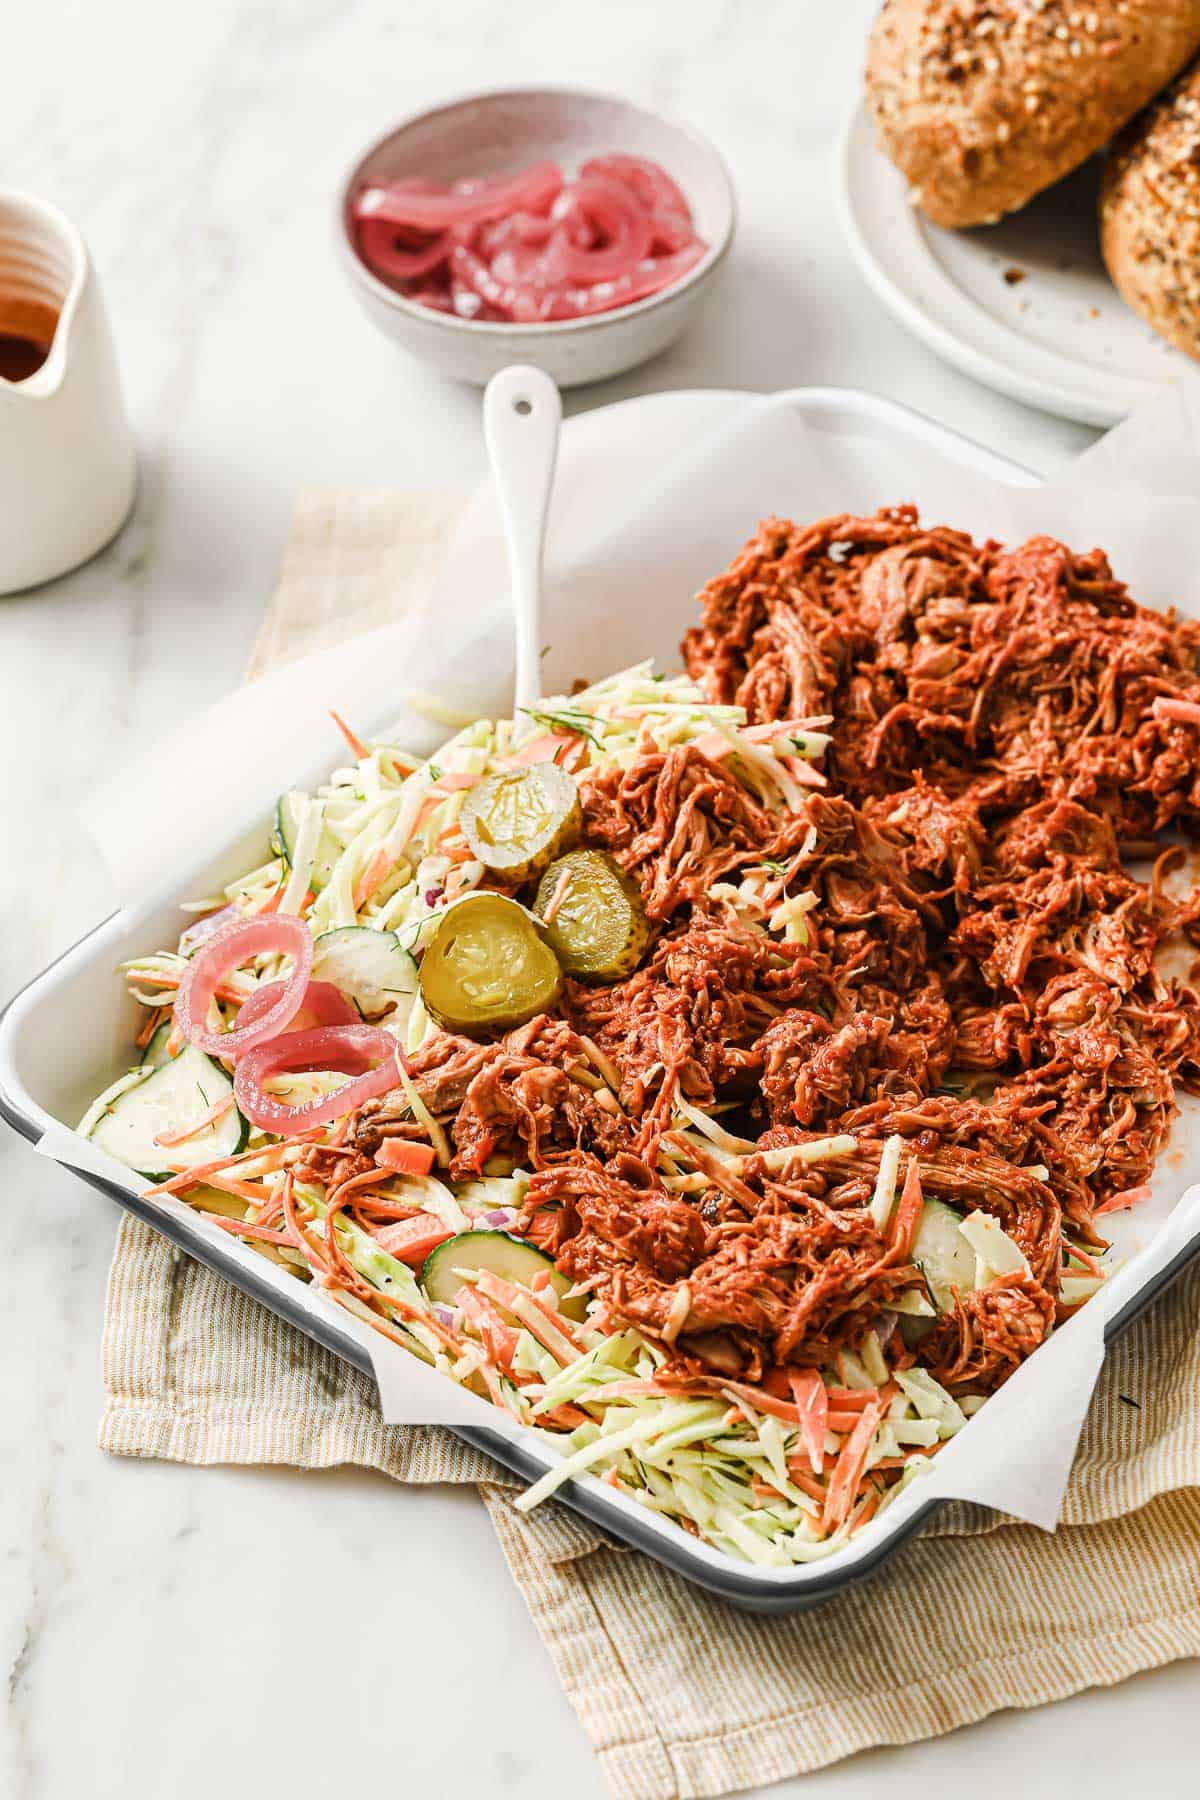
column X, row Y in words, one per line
column 518, row 821
column 487, row 967
column 593, row 916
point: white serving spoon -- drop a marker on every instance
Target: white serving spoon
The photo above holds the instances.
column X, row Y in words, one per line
column 522, row 412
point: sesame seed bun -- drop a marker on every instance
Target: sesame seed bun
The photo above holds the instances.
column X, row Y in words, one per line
column 983, row 103
column 1150, row 214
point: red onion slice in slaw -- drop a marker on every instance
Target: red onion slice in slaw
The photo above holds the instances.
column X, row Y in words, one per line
column 207, row 927
column 274, row 934
column 365, row 1052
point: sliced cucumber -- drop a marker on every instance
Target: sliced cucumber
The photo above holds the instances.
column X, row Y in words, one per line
column 443, row 1270
column 941, row 1250
column 176, row 1095
column 155, row 1053
column 368, row 966
column 290, row 815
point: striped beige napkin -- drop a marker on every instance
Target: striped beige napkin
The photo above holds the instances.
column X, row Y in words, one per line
column 679, row 1694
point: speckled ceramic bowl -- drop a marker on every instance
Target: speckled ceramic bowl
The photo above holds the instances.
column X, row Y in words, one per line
column 496, row 133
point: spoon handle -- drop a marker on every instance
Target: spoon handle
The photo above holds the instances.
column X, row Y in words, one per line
column 522, row 412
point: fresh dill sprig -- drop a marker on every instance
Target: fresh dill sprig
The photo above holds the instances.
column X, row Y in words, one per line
column 577, row 724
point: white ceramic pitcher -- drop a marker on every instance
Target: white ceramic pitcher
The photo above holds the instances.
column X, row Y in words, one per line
column 67, row 466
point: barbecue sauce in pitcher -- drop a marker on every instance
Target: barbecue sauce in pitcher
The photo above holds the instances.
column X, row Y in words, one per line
column 27, row 330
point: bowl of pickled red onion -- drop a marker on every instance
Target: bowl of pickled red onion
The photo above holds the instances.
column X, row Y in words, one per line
column 569, row 229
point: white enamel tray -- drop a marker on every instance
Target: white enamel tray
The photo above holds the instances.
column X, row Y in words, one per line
column 1025, row 306
column 47, row 1077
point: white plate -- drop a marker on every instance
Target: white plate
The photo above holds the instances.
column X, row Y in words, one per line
column 1059, row 338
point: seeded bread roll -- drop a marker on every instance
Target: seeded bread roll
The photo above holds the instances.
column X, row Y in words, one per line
column 983, row 103
column 1150, row 214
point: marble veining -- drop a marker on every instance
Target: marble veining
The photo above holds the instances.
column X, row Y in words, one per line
column 162, row 1631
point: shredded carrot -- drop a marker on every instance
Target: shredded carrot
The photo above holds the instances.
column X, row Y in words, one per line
column 223, row 991
column 904, row 1225
column 313, row 1252
column 346, row 1275
column 714, row 745
column 759, row 1398
column 632, row 1388
column 1091, row 1266
column 546, row 1325
column 243, row 1229
column 1128, row 1197
column 557, row 897
column 271, row 903
column 784, row 728
column 847, row 1471
column 867, row 1510
column 812, row 1406
column 564, row 1418
column 804, row 1479
column 356, row 744
column 803, row 772
column 153, row 1021
column 405, row 1157
column 906, row 1456
column 250, row 1191
column 356, row 1185
column 538, row 749
column 572, row 753
column 215, row 1112
column 411, row 1240
column 269, row 1159
column 500, row 1339
column 843, row 1421
column 372, row 877
column 374, row 1207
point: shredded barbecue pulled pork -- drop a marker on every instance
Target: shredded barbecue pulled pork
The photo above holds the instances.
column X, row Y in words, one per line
column 982, row 973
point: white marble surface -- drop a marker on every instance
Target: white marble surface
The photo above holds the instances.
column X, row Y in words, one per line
column 161, row 1627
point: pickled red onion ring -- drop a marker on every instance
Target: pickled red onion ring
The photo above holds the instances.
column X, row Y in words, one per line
column 379, row 244
column 365, row 1052
column 648, row 180
column 648, row 278
column 528, row 304
column 530, row 191
column 323, row 1004
column 517, row 228
column 663, row 198
column 271, row 934
column 619, row 230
